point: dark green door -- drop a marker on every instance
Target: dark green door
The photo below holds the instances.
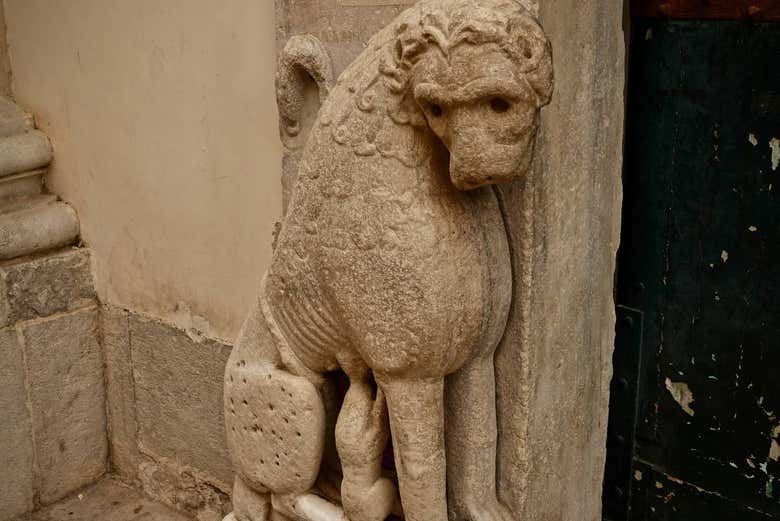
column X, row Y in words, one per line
column 695, row 411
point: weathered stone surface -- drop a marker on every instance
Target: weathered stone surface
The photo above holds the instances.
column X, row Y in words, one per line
column 24, row 203
column 276, row 420
column 5, row 64
column 120, row 393
column 36, row 287
column 345, row 27
column 185, row 488
column 554, row 366
column 13, row 120
column 108, row 500
column 303, row 81
column 65, row 374
column 21, row 185
column 178, row 390
column 16, row 449
column 22, row 152
column 393, row 266
column 37, row 224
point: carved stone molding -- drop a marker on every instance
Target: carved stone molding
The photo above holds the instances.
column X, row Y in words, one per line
column 30, row 220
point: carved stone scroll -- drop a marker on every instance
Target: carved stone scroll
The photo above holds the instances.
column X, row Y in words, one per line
column 375, row 328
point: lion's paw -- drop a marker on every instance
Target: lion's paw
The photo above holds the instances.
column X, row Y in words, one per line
column 488, row 510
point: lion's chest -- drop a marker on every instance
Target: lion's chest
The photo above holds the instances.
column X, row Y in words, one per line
column 420, row 271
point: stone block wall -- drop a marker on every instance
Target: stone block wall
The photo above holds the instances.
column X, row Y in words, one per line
column 87, row 389
column 52, row 397
column 166, row 429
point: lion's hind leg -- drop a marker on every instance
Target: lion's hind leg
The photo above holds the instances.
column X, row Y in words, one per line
column 275, row 423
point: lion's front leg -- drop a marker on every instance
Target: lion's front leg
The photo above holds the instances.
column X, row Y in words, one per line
column 471, row 444
column 416, row 410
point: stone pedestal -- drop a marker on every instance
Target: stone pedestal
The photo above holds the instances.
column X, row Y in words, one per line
column 51, row 383
column 52, row 398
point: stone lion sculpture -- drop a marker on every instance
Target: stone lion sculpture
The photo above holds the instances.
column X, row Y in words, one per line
column 392, row 267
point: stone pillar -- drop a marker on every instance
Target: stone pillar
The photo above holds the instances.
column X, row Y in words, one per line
column 554, row 364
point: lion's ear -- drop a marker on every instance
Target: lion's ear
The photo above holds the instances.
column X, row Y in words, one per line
column 533, row 53
column 530, row 42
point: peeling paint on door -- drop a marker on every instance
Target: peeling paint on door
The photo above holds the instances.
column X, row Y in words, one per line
column 681, row 394
column 774, row 446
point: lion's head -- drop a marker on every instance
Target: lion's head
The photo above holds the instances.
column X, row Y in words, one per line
column 477, row 75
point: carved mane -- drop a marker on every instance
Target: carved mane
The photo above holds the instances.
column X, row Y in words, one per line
column 372, row 109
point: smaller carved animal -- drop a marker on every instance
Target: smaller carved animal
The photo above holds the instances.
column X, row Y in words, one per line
column 393, row 266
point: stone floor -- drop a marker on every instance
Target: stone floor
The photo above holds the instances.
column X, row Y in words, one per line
column 107, row 500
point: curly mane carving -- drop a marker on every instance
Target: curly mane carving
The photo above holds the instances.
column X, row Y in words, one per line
column 378, row 83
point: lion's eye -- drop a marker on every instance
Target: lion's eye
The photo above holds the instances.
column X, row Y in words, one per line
column 499, row 105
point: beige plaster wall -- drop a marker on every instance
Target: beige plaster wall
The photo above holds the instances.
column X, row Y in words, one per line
column 164, row 126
